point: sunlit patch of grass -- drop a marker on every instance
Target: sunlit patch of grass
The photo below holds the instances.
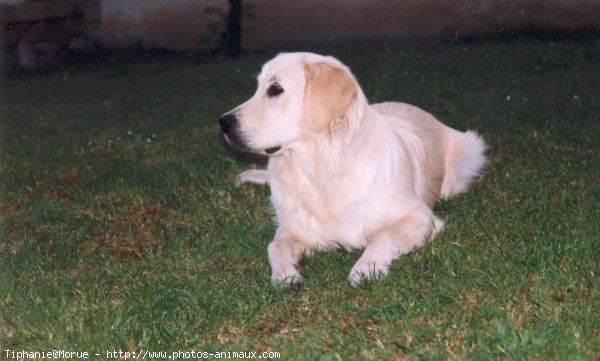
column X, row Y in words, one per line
column 122, row 228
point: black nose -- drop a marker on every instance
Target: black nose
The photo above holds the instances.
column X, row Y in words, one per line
column 227, row 121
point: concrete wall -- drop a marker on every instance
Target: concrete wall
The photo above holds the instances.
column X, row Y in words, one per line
column 46, row 32
column 191, row 25
column 172, row 24
column 196, row 24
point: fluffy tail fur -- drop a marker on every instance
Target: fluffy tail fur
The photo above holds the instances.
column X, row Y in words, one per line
column 464, row 160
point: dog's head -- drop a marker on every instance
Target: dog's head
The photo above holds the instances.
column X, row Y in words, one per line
column 299, row 96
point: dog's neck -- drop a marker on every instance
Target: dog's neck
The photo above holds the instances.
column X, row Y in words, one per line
column 328, row 153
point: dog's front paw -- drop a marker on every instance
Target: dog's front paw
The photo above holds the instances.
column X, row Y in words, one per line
column 256, row 176
column 287, row 279
column 363, row 271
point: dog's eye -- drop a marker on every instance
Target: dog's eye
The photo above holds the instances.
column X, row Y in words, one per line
column 274, row 90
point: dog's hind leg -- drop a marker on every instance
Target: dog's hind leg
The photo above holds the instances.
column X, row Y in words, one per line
column 389, row 243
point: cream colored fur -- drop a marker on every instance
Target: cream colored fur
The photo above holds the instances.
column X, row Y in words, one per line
column 349, row 174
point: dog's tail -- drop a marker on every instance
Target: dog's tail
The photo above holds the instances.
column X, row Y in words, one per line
column 464, row 160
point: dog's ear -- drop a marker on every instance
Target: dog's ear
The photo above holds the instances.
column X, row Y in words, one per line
column 329, row 91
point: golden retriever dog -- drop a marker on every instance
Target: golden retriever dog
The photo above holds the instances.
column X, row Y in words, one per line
column 343, row 172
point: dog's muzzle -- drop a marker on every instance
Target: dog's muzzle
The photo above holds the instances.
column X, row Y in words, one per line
column 228, row 123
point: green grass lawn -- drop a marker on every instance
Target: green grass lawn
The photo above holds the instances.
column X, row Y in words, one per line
column 121, row 228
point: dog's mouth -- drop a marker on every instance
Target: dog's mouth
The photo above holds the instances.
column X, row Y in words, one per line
column 237, row 144
column 273, row 150
column 233, row 141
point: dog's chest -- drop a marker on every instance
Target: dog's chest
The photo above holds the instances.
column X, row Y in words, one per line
column 325, row 215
